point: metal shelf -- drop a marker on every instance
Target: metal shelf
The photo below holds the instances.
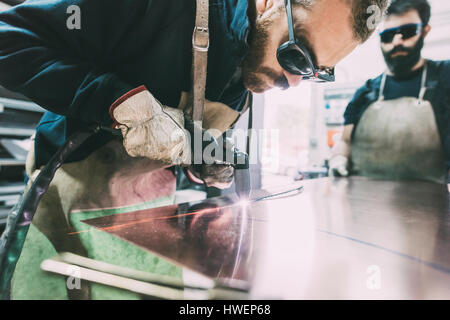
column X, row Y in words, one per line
column 3, row 217
column 9, row 200
column 9, row 195
column 18, row 120
column 16, row 132
column 11, row 187
column 17, row 108
column 11, row 162
column 21, row 105
column 17, row 148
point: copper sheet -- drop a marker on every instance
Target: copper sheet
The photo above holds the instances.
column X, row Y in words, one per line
column 213, row 237
column 332, row 241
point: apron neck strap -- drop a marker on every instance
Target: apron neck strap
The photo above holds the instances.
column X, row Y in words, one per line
column 200, row 45
column 382, row 85
column 423, row 84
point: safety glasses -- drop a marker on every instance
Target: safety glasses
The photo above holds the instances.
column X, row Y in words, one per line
column 295, row 58
column 407, row 31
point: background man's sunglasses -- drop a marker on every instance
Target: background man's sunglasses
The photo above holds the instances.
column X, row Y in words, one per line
column 295, row 58
column 407, row 31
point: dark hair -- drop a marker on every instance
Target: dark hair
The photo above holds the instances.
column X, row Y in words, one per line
column 399, row 7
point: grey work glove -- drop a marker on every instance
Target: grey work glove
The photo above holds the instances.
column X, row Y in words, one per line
column 338, row 166
column 150, row 129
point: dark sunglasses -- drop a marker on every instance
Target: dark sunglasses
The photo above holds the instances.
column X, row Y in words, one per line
column 407, row 31
column 295, row 58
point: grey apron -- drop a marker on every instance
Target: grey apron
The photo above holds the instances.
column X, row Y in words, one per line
column 399, row 139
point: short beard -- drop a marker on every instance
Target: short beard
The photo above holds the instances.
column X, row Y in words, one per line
column 401, row 66
column 254, row 74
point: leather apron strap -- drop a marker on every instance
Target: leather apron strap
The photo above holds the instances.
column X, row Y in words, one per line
column 423, row 85
column 200, row 45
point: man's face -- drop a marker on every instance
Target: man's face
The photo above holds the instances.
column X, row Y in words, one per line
column 326, row 28
column 402, row 55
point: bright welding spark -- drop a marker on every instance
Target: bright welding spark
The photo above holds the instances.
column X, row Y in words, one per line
column 150, row 219
column 243, row 203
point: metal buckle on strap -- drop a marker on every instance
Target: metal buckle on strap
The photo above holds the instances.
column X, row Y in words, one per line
column 201, row 32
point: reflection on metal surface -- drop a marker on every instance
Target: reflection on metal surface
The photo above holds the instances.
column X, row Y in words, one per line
column 329, row 242
column 211, row 237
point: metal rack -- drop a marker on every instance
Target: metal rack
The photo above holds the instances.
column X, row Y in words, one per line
column 18, row 120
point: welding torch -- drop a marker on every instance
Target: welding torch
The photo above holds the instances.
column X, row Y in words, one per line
column 228, row 155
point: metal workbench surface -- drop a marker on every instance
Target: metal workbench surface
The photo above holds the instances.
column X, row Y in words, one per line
column 351, row 238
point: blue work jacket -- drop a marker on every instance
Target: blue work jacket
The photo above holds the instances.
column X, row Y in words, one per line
column 77, row 73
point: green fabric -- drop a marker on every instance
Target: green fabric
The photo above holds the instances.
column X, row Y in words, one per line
column 30, row 282
column 11, row 248
column 11, row 244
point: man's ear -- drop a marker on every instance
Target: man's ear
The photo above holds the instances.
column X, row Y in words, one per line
column 426, row 30
column 263, row 5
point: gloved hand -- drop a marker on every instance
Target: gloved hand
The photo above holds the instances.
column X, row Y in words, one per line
column 150, row 129
column 214, row 175
column 338, row 166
